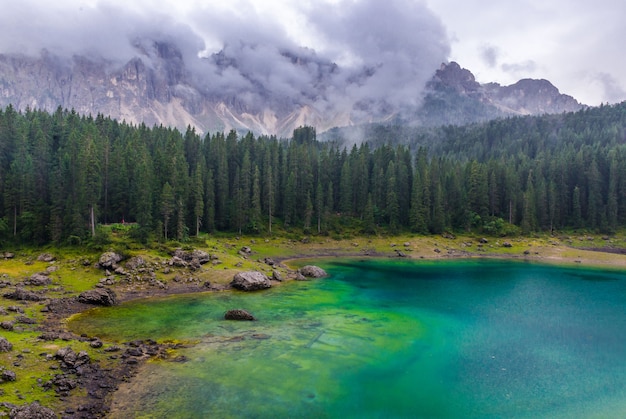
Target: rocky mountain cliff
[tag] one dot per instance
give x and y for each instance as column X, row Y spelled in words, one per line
column 455, row 97
column 158, row 87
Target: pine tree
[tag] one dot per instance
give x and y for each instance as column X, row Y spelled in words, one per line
column 369, row 223
column 392, row 206
column 198, row 197
column 209, row 207
column 345, row 189
column 577, row 219
column 255, row 202
column 167, row 206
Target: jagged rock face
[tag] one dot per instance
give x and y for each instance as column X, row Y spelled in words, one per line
column 457, row 78
column 154, row 88
column 532, row 97
column 158, row 88
column 526, row 97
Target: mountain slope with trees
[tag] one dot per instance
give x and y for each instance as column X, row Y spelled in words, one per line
column 63, row 174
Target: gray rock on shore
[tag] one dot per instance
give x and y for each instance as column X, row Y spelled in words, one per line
column 99, row 296
column 250, row 281
column 135, row 263
column 109, row 260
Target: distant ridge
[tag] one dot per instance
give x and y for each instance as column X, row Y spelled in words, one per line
column 455, row 97
column 157, row 88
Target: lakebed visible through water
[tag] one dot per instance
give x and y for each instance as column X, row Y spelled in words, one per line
column 386, row 338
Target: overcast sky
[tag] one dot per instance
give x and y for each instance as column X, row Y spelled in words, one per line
column 576, row 44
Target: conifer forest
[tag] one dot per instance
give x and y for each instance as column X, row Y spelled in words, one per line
column 62, row 175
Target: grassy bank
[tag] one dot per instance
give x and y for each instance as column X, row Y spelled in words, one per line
column 74, row 270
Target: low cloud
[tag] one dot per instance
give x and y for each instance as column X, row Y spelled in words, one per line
column 521, row 69
column 613, row 91
column 490, row 55
column 361, row 52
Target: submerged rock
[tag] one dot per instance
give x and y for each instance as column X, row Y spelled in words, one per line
column 238, row 314
column 312, row 271
column 99, row 296
column 250, row 281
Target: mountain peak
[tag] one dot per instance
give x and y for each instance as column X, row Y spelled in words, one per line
column 525, row 97
column 456, row 77
column 162, row 85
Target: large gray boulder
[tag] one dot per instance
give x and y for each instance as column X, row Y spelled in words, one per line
column 250, row 281
column 109, row 260
column 311, row 271
column 99, row 296
column 197, row 256
column 201, row 256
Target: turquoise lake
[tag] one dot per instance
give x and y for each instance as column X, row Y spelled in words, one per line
column 387, row 339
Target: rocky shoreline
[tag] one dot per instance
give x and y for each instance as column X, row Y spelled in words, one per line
column 97, row 382
column 83, row 386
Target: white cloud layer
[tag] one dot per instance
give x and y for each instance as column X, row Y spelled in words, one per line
column 386, row 48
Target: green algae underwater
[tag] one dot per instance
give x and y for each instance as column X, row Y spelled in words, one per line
column 386, row 339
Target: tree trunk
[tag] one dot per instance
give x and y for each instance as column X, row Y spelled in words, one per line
column 270, row 214
column 92, row 221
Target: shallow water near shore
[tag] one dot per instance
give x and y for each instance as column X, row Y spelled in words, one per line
column 386, row 339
